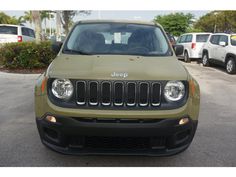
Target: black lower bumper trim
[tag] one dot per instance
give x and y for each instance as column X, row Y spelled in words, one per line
column 154, row 138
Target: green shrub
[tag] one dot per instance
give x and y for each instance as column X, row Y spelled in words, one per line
column 26, row 55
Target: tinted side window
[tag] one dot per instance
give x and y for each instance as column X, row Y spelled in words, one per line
column 25, row 32
column 31, row 33
column 28, row 32
column 8, row 30
column 189, row 38
column 202, row 37
column 233, row 40
column 215, row 39
column 183, row 39
column 224, row 38
column 179, row 39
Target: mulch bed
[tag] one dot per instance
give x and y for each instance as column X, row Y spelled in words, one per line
column 23, row 71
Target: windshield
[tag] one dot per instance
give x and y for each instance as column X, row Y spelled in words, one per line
column 117, row 38
column 8, row 30
column 233, row 40
column 202, row 37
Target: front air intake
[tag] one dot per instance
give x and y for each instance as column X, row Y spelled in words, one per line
column 118, row 93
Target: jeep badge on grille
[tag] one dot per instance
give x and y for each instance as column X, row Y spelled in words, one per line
column 119, row 74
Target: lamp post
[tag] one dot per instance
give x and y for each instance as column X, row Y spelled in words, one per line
column 58, row 25
column 215, row 27
column 99, row 14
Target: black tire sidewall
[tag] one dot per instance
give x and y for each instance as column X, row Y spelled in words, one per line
column 186, row 59
column 207, row 63
column 234, row 66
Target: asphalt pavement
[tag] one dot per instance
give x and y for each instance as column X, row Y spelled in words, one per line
column 214, row 143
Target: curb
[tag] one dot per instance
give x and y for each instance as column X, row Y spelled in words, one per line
column 17, row 75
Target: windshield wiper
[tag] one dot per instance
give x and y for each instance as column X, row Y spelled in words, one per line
column 77, row 52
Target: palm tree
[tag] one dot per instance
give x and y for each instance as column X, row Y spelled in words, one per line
column 38, row 25
column 28, row 17
column 21, row 20
column 6, row 19
column 44, row 16
column 68, row 15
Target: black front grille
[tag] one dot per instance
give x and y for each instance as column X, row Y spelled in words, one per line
column 118, row 93
column 117, row 120
column 97, row 142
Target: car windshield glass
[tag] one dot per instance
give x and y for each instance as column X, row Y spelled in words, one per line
column 233, row 40
column 202, row 37
column 117, row 39
column 8, row 30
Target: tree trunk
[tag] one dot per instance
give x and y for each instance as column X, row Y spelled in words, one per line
column 38, row 25
column 58, row 25
column 66, row 21
column 45, row 26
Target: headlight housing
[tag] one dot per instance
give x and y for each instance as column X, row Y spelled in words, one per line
column 62, row 88
column 174, row 91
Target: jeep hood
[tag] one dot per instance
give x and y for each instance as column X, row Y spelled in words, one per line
column 101, row 67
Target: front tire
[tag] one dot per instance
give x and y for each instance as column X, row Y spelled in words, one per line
column 186, row 57
column 205, row 60
column 230, row 66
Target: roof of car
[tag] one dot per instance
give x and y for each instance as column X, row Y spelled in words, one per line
column 224, row 34
column 120, row 21
column 197, row 33
column 9, row 25
column 14, row 25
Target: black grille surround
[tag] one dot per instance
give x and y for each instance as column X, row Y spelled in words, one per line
column 117, row 143
column 118, row 95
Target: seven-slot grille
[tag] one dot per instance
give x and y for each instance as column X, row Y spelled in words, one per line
column 118, row 93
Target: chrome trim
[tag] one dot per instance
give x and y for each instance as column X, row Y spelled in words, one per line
column 135, row 92
column 156, row 104
column 106, row 104
column 85, row 85
column 123, row 93
column 144, row 104
column 93, row 103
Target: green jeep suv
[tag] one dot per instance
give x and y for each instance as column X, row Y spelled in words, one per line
column 116, row 87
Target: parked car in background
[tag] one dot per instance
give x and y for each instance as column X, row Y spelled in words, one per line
column 220, row 49
column 15, row 33
column 193, row 43
column 54, row 38
column 171, row 38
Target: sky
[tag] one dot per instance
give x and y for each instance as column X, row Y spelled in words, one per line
column 121, row 14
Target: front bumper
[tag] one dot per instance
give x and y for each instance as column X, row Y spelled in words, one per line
column 159, row 137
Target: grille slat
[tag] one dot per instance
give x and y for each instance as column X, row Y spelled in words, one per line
column 155, row 94
column 118, row 93
column 131, row 94
column 143, row 94
column 81, row 93
column 106, row 93
column 93, row 93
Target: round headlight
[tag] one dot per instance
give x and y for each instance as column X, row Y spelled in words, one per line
column 62, row 88
column 174, row 91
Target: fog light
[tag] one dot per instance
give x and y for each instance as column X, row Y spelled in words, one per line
column 183, row 121
column 51, row 119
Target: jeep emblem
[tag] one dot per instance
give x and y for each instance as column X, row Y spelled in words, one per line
column 119, row 74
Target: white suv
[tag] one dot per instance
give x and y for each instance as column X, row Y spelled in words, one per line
column 220, row 49
column 193, row 43
column 15, row 33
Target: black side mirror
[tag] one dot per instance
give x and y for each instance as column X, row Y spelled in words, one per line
column 179, row 49
column 56, row 47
